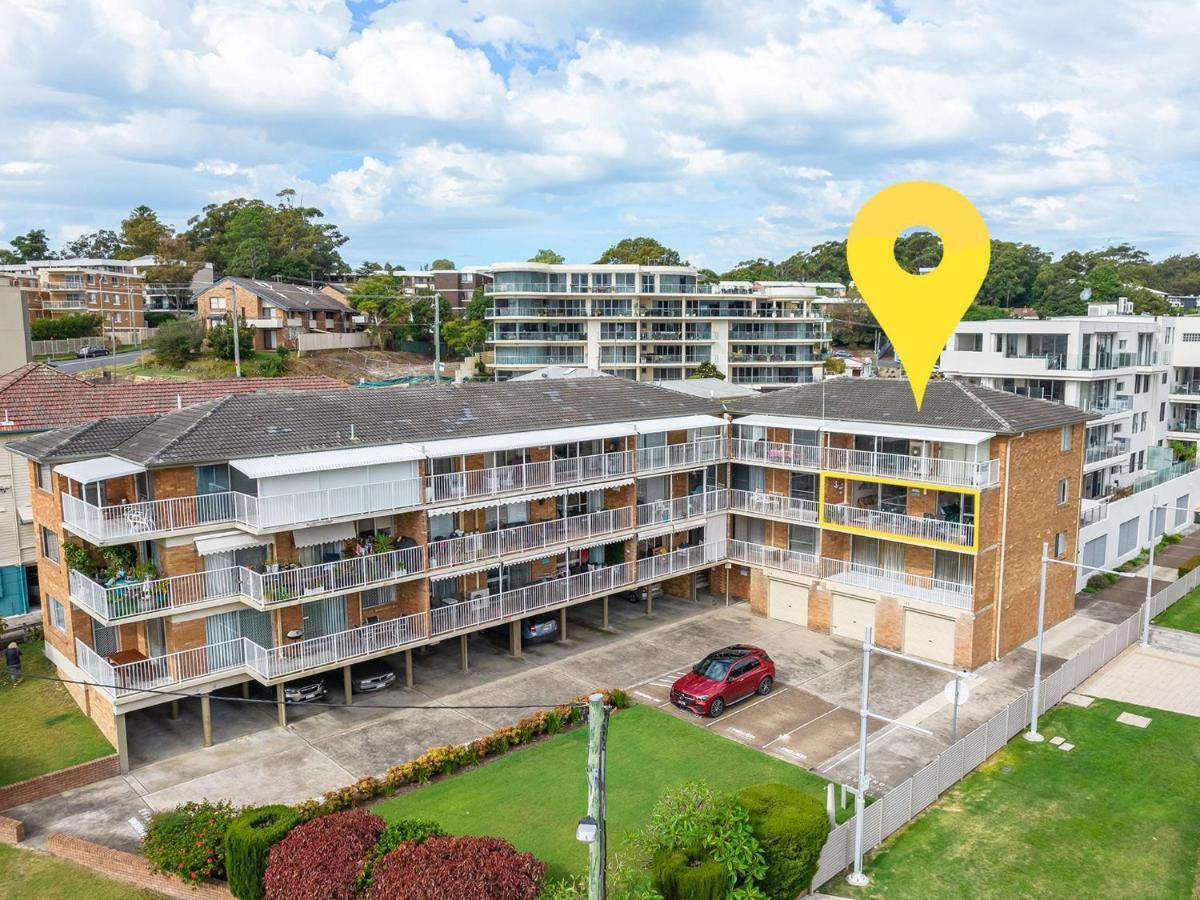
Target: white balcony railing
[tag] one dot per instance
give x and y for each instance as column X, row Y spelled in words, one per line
column 526, row 476
column 777, row 506
column 473, row 548
column 336, row 577
column 673, row 456
column 160, row 595
column 681, row 508
column 807, row 456
column 982, row 474
column 774, row 558
column 920, row 587
column 334, row 503
column 337, row 649
column 680, row 562
column 917, row 528
column 129, row 521
column 161, row 671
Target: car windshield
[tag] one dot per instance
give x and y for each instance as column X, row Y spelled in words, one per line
column 713, row 668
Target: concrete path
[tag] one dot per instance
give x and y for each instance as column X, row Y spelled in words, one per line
column 1152, row 677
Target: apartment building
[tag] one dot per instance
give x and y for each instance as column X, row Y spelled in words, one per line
column 1135, row 374
column 110, row 288
column 457, row 286
column 653, row 323
column 280, row 313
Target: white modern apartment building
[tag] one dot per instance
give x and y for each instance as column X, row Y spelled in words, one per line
column 653, row 323
column 1139, row 376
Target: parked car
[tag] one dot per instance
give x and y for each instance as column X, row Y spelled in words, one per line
column 534, row 630
column 842, row 354
column 724, row 677
column 372, row 675
column 304, row 690
column 636, row 595
column 91, row 350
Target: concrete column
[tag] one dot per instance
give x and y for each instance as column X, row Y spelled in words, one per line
column 245, row 690
column 692, row 587
column 122, row 743
column 174, row 710
column 408, row 675
column 604, row 617
column 280, row 706
column 562, row 624
column 462, row 651
column 347, row 686
column 206, row 719
column 649, row 599
column 514, row 638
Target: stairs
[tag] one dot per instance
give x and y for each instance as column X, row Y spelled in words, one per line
column 1177, row 641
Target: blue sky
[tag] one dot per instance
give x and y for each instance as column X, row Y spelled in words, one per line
column 483, row 130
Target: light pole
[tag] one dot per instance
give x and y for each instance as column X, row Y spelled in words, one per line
column 591, row 828
column 857, row 877
column 1154, row 507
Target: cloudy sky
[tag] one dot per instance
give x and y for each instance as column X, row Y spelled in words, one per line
column 485, row 129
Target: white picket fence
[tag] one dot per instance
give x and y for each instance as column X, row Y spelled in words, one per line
column 905, row 801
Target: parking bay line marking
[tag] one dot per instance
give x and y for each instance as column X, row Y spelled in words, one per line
column 711, row 722
column 744, row 735
column 798, row 727
column 795, row 754
column 649, row 697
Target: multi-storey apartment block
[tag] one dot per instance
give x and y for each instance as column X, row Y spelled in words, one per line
column 455, row 286
column 653, row 323
column 279, row 312
column 1135, row 375
column 110, row 288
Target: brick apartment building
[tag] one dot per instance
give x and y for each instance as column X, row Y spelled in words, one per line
column 110, row 288
column 279, row 312
column 271, row 537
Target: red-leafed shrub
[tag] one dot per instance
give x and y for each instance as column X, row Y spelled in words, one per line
column 320, row 860
column 457, row 868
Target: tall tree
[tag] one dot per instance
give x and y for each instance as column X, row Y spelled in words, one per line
column 32, row 245
column 641, row 251
column 478, row 305
column 1058, row 285
column 1012, row 271
column 442, row 264
column 917, row 251
column 421, row 327
column 1178, row 274
column 826, row 262
column 102, row 244
column 753, row 270
column 548, row 256
column 141, row 232
column 380, row 299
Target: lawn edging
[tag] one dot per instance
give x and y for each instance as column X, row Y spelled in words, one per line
column 129, row 868
column 42, row 786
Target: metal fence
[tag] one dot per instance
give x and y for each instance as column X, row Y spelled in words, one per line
column 903, row 802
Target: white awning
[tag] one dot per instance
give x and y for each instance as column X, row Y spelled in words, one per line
column 228, row 541
column 322, row 460
column 101, row 468
column 910, row 432
column 485, row 502
column 544, row 438
column 794, row 422
column 495, row 563
column 324, row 534
column 677, row 423
column 25, row 513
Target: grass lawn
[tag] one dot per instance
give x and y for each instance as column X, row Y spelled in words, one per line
column 25, row 875
column 1184, row 614
column 206, row 365
column 534, row 797
column 1118, row 816
column 43, row 729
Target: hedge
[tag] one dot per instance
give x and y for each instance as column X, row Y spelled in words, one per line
column 791, row 827
column 457, row 868
column 321, row 859
column 189, row 841
column 248, row 841
column 1188, row 565
column 689, row 876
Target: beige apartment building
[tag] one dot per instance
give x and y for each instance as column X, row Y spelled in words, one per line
column 110, row 288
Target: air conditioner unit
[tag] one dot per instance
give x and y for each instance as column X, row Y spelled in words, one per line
column 481, row 594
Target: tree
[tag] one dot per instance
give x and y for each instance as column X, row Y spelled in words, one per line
column 381, row 301
column 979, row 312
column 59, row 327
column 246, row 240
column 368, row 268
column 32, row 246
column 220, row 339
column 442, row 265
column 102, row 244
column 853, row 325
column 141, row 232
column 548, row 256
column 753, row 270
column 177, row 342
column 919, row 250
column 421, row 326
column 478, row 305
column 1058, row 285
column 708, row 276
column 835, row 365
column 1105, row 282
column 1012, row 271
column 641, row 251
column 1178, row 275
column 825, row 262
column 707, row 370
column 464, row 336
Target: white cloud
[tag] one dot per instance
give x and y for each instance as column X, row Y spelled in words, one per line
column 22, row 167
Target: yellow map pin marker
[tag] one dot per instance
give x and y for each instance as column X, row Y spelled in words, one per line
column 918, row 312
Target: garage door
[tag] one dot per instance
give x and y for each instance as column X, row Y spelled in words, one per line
column 851, row 616
column 788, row 602
column 930, row 637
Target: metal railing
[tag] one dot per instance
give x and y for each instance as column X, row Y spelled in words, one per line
column 983, row 474
column 1098, row 452
column 127, row 521
column 681, row 508
column 159, row 595
column 681, row 561
column 671, row 456
column 778, row 506
column 961, row 534
column 807, row 456
column 1105, row 406
column 161, row 671
column 338, row 648
column 774, row 558
column 323, row 505
column 1091, row 514
column 920, row 587
column 334, row 577
column 526, row 476
column 472, row 548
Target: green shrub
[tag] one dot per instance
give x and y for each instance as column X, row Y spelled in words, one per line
column 176, row 343
column 248, row 840
column 61, row 327
column 618, row 699
column 397, row 833
column 189, row 841
column 1188, row 565
column 791, row 827
column 688, row 875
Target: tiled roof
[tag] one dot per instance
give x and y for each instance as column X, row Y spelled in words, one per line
column 265, row 424
column 35, row 397
column 947, row 404
column 290, row 297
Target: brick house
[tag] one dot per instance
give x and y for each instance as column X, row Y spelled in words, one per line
column 279, row 312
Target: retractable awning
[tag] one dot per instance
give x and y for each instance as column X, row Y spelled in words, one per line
column 88, row 471
column 910, row 432
column 543, row 438
column 324, row 534
column 323, row 460
column 677, row 423
column 796, row 423
column 227, row 541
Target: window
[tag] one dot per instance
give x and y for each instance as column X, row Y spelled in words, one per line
column 1062, row 492
column 1060, row 545
column 1162, row 412
column 49, row 544
column 647, row 284
column 212, row 479
column 1181, row 509
column 43, row 476
column 1066, row 437
column 1127, row 538
column 58, row 615
column 380, row 596
column 1191, row 337
column 972, row 343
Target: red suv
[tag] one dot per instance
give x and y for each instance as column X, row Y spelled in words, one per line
column 724, row 677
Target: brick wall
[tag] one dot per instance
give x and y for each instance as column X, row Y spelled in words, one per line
column 52, row 576
column 129, row 868
column 56, row 782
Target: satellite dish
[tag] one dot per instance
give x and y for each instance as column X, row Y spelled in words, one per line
column 1086, row 294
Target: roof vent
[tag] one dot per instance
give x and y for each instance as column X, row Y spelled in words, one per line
column 7, row 422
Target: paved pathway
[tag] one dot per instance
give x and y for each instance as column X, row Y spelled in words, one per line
column 1152, row 677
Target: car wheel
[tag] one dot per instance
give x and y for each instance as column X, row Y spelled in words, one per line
column 764, row 686
column 716, row 707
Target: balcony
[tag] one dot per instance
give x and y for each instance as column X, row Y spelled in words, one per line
column 1106, row 406
column 751, row 376
column 1090, row 515
column 959, row 473
column 774, row 558
column 677, row 456
column 287, row 510
column 680, row 562
column 1101, row 452
column 918, row 587
column 661, row 512
column 1185, row 426
column 526, row 477
column 912, row 529
column 270, row 589
column 147, row 519
column 158, row 672
column 772, row 453
column 473, row 548
column 1188, row 389
column 775, row 506
column 342, row 648
column 142, row 599
column 577, row 311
